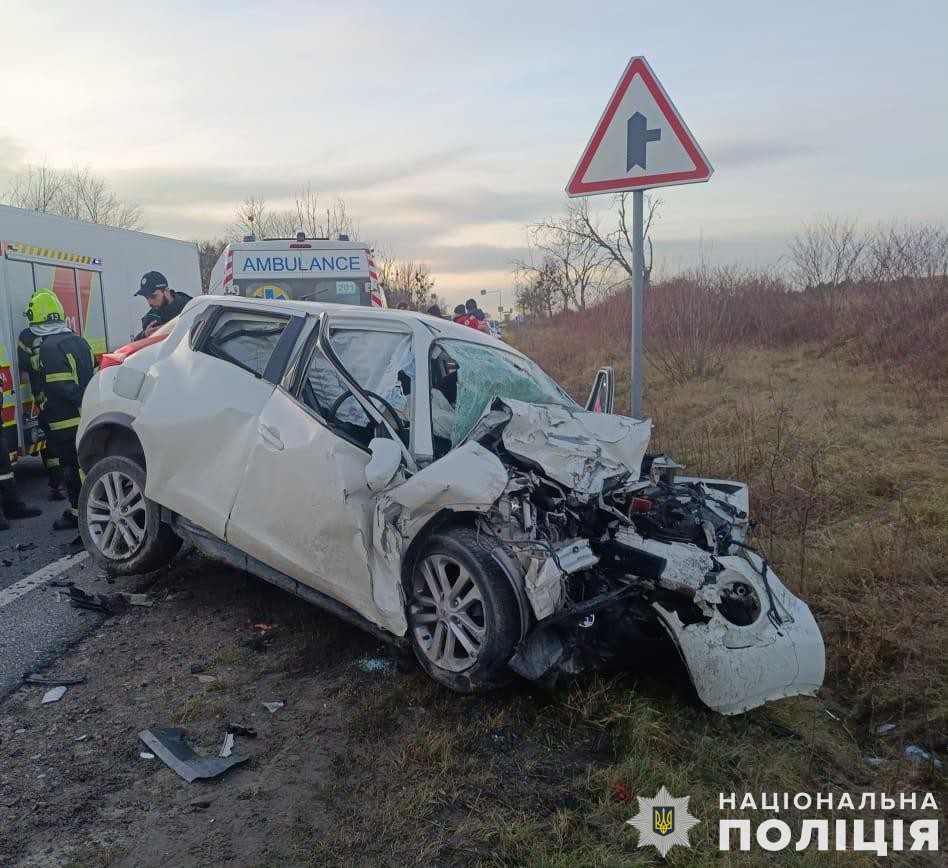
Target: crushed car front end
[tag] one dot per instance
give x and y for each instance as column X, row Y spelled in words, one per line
column 613, row 550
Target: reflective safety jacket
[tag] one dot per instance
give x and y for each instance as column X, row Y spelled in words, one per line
column 6, row 387
column 27, row 353
column 66, row 366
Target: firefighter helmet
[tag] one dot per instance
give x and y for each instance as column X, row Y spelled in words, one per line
column 44, row 307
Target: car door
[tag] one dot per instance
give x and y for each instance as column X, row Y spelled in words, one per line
column 303, row 506
column 199, row 417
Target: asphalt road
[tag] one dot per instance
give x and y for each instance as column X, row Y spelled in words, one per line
column 37, row 622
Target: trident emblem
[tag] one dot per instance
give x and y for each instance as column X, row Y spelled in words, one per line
column 663, row 821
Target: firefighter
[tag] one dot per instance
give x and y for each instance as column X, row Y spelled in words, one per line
column 28, row 356
column 10, row 504
column 66, row 366
column 165, row 303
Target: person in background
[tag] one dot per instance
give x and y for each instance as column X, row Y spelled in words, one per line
column 402, row 305
column 10, row 504
column 462, row 317
column 66, row 366
column 165, row 303
column 474, row 311
column 434, row 310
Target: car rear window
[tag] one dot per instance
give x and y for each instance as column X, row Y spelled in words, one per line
column 244, row 339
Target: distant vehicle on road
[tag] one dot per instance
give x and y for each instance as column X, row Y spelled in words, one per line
column 298, row 269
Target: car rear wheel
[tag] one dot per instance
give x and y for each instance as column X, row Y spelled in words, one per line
column 463, row 620
column 119, row 526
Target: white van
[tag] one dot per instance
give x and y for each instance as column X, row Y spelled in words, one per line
column 298, row 269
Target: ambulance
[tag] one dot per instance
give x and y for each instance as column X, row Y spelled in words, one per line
column 301, row 269
column 94, row 270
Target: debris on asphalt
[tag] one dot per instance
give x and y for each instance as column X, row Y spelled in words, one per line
column 53, row 680
column 875, row 760
column 79, row 599
column 53, row 695
column 273, row 707
column 24, row 547
column 61, row 583
column 178, row 596
column 207, row 679
column 200, row 804
column 146, row 756
column 80, row 738
column 920, row 755
column 197, row 667
column 240, row 729
column 227, row 748
column 137, row 599
column 170, row 747
column 263, row 629
column 884, row 728
column 376, row 664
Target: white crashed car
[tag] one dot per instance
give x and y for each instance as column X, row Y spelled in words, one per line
column 434, row 486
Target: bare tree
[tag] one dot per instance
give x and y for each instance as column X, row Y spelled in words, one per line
column 255, row 217
column 616, row 240
column 77, row 193
column 827, row 253
column 583, row 263
column 406, row 281
column 538, row 287
column 209, row 251
column 897, row 252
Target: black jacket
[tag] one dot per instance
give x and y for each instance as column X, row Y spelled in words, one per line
column 165, row 313
column 66, row 366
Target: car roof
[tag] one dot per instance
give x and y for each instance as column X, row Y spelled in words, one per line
column 440, row 327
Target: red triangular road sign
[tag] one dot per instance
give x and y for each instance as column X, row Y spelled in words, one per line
column 640, row 141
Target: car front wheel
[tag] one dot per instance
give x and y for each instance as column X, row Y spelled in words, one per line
column 119, row 526
column 463, row 620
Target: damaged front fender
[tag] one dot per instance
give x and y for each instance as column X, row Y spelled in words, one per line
column 737, row 666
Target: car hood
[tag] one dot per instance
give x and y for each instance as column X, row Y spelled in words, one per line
column 576, row 448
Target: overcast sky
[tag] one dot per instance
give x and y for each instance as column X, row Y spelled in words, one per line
column 446, row 127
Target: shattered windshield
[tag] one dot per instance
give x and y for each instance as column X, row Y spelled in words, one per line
column 466, row 377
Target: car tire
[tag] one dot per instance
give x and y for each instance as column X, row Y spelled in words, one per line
column 120, row 528
column 463, row 619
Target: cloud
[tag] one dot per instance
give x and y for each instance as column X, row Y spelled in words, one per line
column 207, row 184
column 477, row 207
column 750, row 153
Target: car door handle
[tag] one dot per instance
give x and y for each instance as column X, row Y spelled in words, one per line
column 271, row 437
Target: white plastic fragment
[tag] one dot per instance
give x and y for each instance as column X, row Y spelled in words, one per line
column 227, row 748
column 885, row 727
column 146, row 756
column 53, row 695
column 273, row 707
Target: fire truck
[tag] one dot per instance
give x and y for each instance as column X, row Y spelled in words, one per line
column 95, row 271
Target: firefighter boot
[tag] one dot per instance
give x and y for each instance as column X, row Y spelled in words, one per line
column 69, row 520
column 13, row 507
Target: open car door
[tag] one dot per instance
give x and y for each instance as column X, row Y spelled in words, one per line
column 603, row 393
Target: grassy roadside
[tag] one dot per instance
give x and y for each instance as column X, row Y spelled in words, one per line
column 848, row 482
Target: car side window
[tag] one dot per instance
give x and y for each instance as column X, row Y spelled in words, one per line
column 382, row 363
column 244, row 339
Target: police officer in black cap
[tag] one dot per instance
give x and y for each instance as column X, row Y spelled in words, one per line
column 165, row 303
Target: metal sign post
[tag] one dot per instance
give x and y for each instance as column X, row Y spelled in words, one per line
column 640, row 142
column 638, row 292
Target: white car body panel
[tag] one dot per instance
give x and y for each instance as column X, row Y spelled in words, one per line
column 176, row 421
column 305, row 508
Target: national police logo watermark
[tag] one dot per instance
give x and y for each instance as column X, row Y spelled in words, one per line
column 663, row 821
